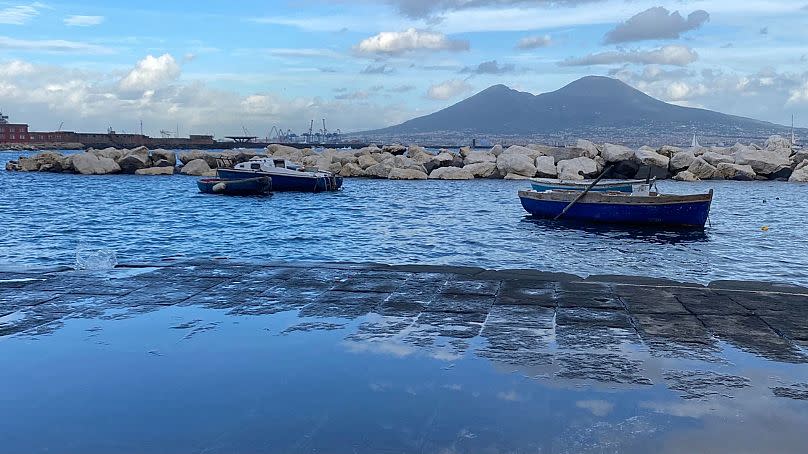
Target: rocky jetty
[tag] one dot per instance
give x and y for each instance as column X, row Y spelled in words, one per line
column 776, row 159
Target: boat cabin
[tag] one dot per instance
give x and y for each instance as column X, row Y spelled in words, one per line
column 266, row 164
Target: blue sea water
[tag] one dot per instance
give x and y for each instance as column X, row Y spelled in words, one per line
column 45, row 217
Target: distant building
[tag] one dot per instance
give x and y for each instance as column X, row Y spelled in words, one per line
column 13, row 132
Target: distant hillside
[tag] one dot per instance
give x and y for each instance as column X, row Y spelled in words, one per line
column 586, row 105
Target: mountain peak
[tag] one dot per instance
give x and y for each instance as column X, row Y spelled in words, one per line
column 589, row 103
column 596, row 86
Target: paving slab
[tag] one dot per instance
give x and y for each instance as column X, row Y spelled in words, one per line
column 308, row 356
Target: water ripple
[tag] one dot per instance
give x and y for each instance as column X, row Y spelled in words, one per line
column 480, row 223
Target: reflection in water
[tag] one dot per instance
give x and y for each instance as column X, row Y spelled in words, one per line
column 278, row 359
column 620, row 232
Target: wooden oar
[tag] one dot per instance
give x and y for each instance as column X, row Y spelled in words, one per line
column 582, row 194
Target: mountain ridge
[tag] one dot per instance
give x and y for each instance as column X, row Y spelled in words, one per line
column 586, row 103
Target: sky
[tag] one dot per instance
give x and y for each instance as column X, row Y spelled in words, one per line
column 223, row 68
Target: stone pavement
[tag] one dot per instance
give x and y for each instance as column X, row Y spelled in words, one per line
column 580, row 328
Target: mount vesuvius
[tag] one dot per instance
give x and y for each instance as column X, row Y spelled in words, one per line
column 592, row 103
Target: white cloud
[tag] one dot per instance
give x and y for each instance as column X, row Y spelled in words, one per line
column 448, row 90
column 533, row 42
column 669, row 55
column 656, row 23
column 83, row 21
column 799, row 95
column 56, row 46
column 150, row 73
column 87, row 100
column 20, row 14
column 16, row 68
column 410, row 40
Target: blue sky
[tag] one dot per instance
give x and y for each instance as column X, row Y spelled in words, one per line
column 217, row 67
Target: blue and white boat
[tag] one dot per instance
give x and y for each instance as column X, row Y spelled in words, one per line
column 651, row 209
column 551, row 184
column 285, row 175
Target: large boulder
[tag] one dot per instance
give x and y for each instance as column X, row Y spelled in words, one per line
column 366, row 160
column 532, row 153
column 622, row 170
column 649, row 157
column 444, row 159
column 732, row 171
column 344, row 157
column 479, row 156
column 577, row 169
column 285, row 152
column 419, row 155
column 90, row 164
column 402, row 162
column 514, row 162
column 669, row 150
column 776, row 142
column 197, row 167
column 380, row 170
column 352, row 170
column 167, row 170
column 701, row 169
column 395, row 149
column 132, row 162
column 685, row 175
column 406, row 174
column 451, row 173
column 546, row 167
column 496, row 150
column 49, row 161
column 209, row 157
column 714, row 158
column 564, row 153
column 589, row 148
column 168, row 155
column 681, row 160
column 798, row 158
column 800, row 174
column 616, row 153
column 763, row 162
column 110, row 152
column 372, row 149
column 483, row 170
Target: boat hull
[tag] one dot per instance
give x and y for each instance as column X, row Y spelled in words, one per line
column 283, row 182
column 688, row 211
column 241, row 186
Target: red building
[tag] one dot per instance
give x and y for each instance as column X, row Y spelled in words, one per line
column 13, row 132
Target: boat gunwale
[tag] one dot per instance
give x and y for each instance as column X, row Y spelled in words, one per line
column 585, row 183
column 616, row 198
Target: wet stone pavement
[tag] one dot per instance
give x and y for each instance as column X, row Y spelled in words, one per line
column 215, row 356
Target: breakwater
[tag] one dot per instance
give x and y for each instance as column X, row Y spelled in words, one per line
column 775, row 160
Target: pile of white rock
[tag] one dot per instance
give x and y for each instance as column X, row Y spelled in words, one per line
column 138, row 161
column 775, row 160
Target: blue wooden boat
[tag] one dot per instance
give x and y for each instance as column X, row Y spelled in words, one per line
column 654, row 209
column 552, row 184
column 286, row 176
column 241, row 186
